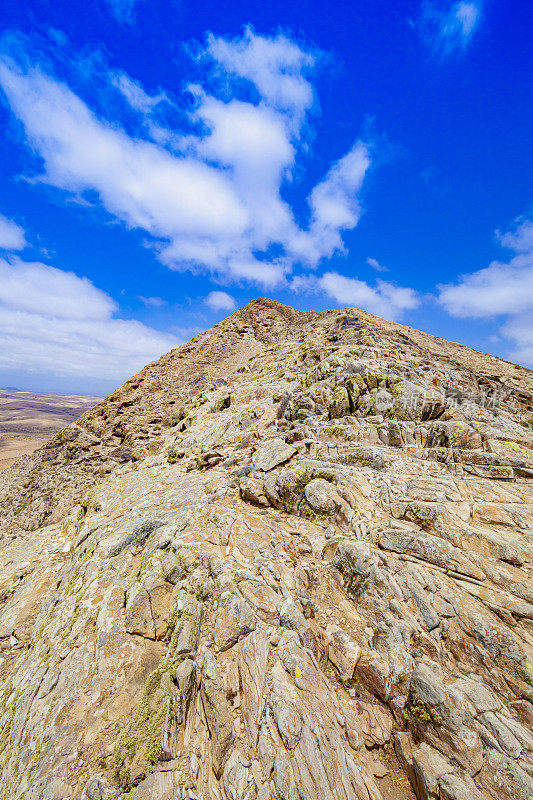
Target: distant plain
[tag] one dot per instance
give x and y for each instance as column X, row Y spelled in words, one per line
column 29, row 419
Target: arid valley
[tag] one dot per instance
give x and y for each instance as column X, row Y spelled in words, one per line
column 29, row 419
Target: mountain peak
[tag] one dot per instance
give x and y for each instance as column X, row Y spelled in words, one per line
column 108, row 434
column 290, row 557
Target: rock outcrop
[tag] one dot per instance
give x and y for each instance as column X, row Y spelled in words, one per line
column 291, row 559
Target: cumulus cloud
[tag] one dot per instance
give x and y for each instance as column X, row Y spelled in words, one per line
column 447, row 27
column 385, row 299
column 37, row 288
column 503, row 289
column 276, row 66
column 520, row 239
column 52, row 321
column 500, row 288
column 220, row 301
column 209, row 192
column 11, row 235
column 334, row 207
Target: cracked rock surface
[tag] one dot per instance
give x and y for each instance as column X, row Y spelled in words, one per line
column 291, row 559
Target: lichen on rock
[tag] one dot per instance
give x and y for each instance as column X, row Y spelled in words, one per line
column 289, row 559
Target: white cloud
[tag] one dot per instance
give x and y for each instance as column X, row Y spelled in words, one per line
column 38, row 288
column 152, row 302
column 503, row 289
column 52, row 321
column 11, row 235
column 519, row 330
column 374, row 263
column 275, row 65
column 384, row 299
column 135, row 95
column 220, row 301
column 334, row 207
column 467, row 16
column 521, row 239
column 137, row 181
column 212, row 200
column 447, row 27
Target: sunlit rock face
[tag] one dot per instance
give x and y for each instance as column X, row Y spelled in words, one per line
column 291, row 559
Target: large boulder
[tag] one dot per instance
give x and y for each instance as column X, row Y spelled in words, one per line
column 429, row 548
column 271, row 454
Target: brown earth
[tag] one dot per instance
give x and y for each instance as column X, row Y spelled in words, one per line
column 29, row 419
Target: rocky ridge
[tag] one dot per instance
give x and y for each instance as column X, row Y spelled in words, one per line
column 291, row 559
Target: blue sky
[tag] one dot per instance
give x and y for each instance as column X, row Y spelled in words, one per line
column 163, row 163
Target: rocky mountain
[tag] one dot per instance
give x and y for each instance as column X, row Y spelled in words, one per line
column 290, row 559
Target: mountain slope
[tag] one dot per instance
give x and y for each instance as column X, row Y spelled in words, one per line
column 51, row 479
column 290, row 559
column 42, row 486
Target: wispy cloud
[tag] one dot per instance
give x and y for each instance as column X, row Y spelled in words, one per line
column 134, row 94
column 52, row 321
column 447, row 27
column 123, row 10
column 11, row 235
column 152, row 302
column 374, row 263
column 503, row 290
column 220, row 301
column 209, row 190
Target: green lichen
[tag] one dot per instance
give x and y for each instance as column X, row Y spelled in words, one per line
column 89, row 503
column 416, row 707
column 73, row 578
column 178, row 627
column 422, row 515
column 6, row 737
column 171, row 625
column 330, row 477
column 335, row 431
column 293, row 499
column 372, row 379
column 201, row 593
column 354, row 458
column 143, row 730
column 34, row 766
column 528, row 673
column 305, row 510
column 354, row 583
column 290, row 502
column 74, row 617
column 154, row 446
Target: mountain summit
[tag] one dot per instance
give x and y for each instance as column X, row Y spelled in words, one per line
column 289, row 559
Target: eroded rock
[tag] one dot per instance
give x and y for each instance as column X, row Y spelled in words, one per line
column 308, row 538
